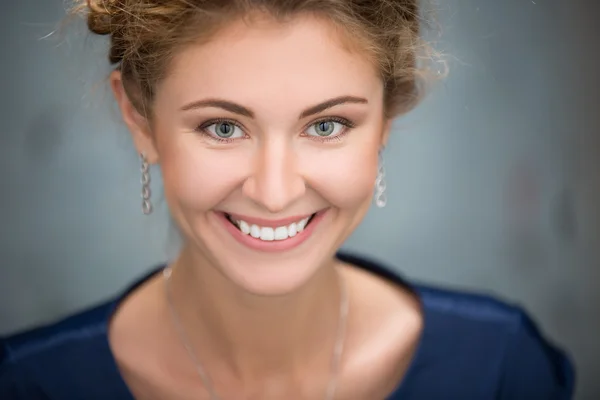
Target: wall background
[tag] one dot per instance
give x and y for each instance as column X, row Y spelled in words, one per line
column 494, row 183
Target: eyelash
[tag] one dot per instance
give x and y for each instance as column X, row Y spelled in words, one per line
column 345, row 122
column 202, row 129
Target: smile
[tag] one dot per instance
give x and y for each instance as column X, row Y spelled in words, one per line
column 268, row 235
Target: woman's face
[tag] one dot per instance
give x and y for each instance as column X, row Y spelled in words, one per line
column 267, row 137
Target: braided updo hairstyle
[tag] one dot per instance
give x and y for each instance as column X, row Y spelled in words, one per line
column 145, row 35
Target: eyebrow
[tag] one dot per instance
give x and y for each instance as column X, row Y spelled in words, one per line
column 241, row 110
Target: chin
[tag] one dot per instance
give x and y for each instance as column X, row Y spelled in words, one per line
column 262, row 257
column 275, row 277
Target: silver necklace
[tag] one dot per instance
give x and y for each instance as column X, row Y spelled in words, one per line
column 335, row 358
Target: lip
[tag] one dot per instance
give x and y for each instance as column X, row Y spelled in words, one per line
column 269, row 223
column 275, row 245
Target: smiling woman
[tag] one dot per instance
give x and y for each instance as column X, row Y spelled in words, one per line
column 268, row 119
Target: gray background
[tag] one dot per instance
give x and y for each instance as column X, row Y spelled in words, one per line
column 521, row 105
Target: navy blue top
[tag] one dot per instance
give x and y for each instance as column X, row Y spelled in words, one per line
column 472, row 347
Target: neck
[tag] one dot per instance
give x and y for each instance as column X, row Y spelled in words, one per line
column 253, row 336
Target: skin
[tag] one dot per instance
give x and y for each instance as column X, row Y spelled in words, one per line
column 265, row 323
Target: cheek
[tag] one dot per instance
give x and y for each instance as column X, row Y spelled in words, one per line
column 345, row 177
column 195, row 177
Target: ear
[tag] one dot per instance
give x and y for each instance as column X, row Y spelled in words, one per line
column 138, row 124
column 385, row 134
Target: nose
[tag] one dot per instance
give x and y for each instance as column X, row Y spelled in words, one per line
column 275, row 181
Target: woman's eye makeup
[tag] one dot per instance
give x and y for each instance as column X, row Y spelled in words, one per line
column 327, row 129
column 222, row 130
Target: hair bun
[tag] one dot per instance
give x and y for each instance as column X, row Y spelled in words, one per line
column 106, row 17
column 102, row 14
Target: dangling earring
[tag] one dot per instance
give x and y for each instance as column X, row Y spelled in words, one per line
column 380, row 186
column 145, row 169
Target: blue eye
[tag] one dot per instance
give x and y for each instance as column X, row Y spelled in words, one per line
column 224, row 130
column 326, row 128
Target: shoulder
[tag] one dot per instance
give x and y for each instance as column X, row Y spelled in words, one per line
column 494, row 345
column 524, row 363
column 71, row 358
column 33, row 363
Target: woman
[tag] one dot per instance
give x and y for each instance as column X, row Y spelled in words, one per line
column 268, row 120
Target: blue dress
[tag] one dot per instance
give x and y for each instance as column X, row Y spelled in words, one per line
column 472, row 348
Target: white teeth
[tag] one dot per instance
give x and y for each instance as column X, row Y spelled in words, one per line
column 255, row 231
column 244, row 227
column 269, row 234
column 281, row 233
column 292, row 230
column 302, row 224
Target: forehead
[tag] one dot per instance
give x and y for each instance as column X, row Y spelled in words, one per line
column 301, row 61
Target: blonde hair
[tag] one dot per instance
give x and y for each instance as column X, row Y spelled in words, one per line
column 145, row 35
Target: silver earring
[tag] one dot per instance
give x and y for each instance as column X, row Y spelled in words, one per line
column 146, row 193
column 380, row 185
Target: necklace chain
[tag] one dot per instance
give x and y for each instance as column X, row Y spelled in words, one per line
column 336, row 356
